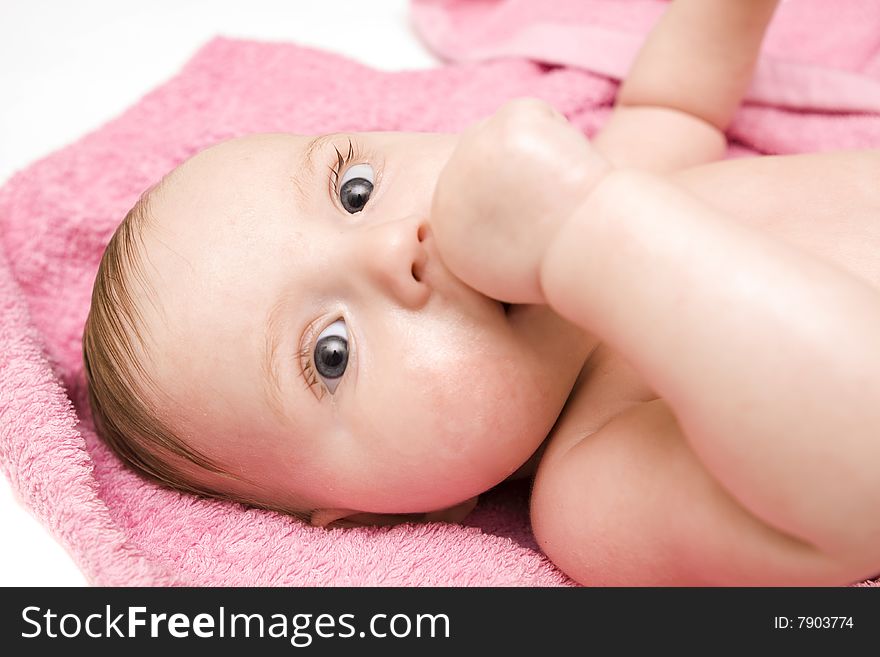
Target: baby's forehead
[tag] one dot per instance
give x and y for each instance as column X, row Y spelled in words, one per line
column 213, row 224
column 236, row 157
column 225, row 177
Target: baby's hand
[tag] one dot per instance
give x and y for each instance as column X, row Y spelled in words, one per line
column 512, row 181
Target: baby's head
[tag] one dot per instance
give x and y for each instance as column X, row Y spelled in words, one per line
column 272, row 323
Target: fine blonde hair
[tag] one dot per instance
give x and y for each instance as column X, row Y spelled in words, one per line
column 118, row 386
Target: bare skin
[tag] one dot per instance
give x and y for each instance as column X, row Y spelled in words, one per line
column 619, row 465
column 724, row 428
column 620, row 495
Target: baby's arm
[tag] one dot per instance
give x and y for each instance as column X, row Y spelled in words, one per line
column 686, row 84
column 769, row 358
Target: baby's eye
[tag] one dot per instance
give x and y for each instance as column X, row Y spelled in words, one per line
column 355, row 187
column 331, row 354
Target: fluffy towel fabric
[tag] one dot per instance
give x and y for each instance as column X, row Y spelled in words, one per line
column 816, row 88
column 57, row 215
column 812, row 55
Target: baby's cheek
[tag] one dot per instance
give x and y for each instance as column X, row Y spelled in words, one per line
column 451, row 422
column 494, row 418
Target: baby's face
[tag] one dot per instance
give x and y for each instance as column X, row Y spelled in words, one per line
column 314, row 343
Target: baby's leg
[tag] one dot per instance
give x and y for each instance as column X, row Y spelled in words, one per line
column 632, row 505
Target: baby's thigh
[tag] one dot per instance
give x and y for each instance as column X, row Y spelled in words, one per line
column 632, row 505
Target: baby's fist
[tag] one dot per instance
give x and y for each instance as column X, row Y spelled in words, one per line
column 512, row 181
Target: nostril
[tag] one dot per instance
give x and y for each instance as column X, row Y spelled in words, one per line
column 422, row 232
column 416, row 274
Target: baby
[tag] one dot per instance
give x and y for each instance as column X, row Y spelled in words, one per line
column 376, row 328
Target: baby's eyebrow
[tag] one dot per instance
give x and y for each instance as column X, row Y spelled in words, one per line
column 301, row 178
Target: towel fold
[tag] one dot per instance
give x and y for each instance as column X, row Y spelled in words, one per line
column 816, row 86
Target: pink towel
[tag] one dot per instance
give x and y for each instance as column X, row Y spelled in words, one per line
column 57, row 215
column 813, row 52
column 819, row 57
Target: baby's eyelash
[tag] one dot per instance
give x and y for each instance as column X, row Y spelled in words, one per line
column 341, row 161
column 308, row 371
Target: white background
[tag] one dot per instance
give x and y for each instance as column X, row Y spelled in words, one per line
column 51, row 51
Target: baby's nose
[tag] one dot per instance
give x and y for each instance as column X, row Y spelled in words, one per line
column 395, row 260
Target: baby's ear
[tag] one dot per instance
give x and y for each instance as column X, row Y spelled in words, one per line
column 351, row 518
